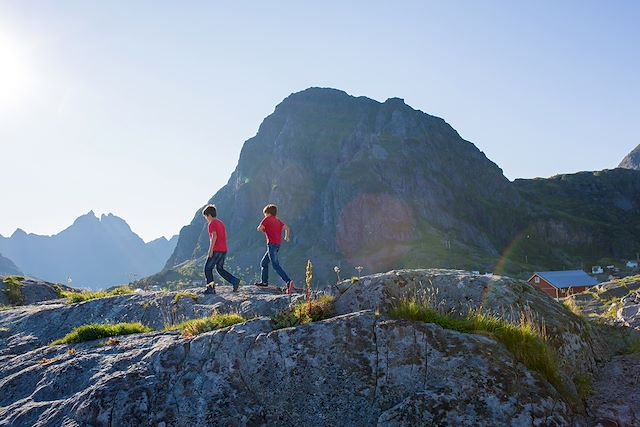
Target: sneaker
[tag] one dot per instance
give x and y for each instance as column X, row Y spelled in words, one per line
column 264, row 285
column 291, row 287
column 211, row 290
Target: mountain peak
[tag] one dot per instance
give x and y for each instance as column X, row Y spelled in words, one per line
column 632, row 160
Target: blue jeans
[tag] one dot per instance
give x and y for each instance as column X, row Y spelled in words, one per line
column 272, row 256
column 217, row 261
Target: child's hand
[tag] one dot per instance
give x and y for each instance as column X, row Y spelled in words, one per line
column 286, row 238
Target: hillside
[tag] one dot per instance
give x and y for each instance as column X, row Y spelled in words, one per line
column 381, row 185
column 94, row 252
column 8, row 267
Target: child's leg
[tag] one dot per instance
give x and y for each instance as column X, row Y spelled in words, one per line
column 208, row 270
column 219, row 258
column 264, row 267
column 273, row 256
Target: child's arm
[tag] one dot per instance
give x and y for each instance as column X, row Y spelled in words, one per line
column 212, row 242
column 286, row 233
column 260, row 227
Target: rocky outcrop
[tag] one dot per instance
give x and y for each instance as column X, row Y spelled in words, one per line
column 631, row 160
column 34, row 291
column 358, row 368
column 35, row 326
column 350, row 370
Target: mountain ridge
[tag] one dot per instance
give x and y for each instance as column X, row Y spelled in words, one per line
column 94, row 251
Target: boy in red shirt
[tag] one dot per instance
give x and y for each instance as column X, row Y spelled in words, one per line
column 272, row 227
column 217, row 251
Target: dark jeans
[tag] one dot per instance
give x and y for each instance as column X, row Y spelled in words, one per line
column 272, row 256
column 217, row 261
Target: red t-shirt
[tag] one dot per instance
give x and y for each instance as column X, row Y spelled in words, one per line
column 216, row 226
column 272, row 229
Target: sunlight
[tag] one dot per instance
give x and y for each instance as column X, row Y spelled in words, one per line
column 16, row 74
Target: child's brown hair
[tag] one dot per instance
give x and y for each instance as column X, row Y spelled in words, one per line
column 270, row 209
column 210, row 210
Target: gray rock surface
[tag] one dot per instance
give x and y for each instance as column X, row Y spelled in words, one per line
column 34, row 326
column 350, row 370
column 616, row 389
column 358, row 368
column 459, row 291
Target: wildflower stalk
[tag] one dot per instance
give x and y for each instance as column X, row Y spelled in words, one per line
column 308, row 278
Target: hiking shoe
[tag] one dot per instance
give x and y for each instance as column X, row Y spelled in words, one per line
column 211, row 290
column 263, row 285
column 291, row 287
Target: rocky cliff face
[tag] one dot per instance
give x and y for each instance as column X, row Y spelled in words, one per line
column 94, row 252
column 358, row 368
column 632, row 160
column 383, row 186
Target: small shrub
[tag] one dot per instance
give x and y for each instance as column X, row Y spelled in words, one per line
column 525, row 340
column 181, row 295
column 59, row 291
column 97, row 331
column 319, row 309
column 13, row 289
column 583, row 383
column 195, row 327
column 76, row 297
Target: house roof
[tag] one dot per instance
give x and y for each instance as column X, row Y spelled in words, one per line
column 567, row 279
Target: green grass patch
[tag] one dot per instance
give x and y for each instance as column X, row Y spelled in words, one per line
column 526, row 341
column 195, row 327
column 319, row 309
column 634, row 347
column 13, row 289
column 97, row 331
column 181, row 295
column 76, row 297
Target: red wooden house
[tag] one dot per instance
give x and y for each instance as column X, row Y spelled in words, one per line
column 561, row 284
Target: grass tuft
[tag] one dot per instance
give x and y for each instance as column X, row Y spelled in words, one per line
column 583, row 383
column 525, row 340
column 195, row 327
column 570, row 304
column 76, row 297
column 306, row 312
column 97, row 331
column 181, row 295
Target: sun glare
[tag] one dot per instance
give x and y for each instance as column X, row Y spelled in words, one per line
column 16, row 76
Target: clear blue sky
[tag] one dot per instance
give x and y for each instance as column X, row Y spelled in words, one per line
column 141, row 108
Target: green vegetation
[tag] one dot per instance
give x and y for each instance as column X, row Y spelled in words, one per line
column 583, row 385
column 13, row 289
column 634, row 347
column 181, row 295
column 195, row 327
column 76, row 297
column 628, row 280
column 96, row 331
column 319, row 309
column 570, row 304
column 526, row 340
